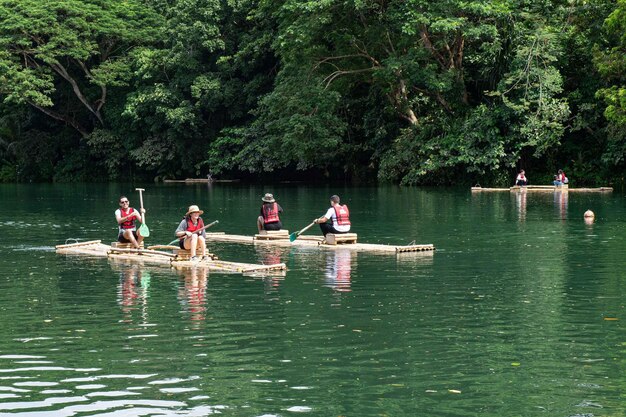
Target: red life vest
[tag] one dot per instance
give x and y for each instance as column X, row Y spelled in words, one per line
column 270, row 213
column 343, row 215
column 191, row 227
column 130, row 223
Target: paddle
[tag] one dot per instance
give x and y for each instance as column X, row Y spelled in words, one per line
column 295, row 235
column 143, row 229
column 178, row 239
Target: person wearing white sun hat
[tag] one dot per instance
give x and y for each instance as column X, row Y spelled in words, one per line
column 192, row 229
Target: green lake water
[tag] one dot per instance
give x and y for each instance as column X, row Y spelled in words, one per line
column 519, row 311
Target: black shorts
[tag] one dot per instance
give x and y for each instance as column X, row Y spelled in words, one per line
column 329, row 228
column 273, row 226
column 122, row 239
column 181, row 243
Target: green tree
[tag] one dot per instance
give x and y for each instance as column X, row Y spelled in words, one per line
column 64, row 57
column 206, row 76
column 610, row 58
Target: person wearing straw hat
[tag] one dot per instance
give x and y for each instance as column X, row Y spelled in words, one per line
column 269, row 219
column 126, row 217
column 194, row 238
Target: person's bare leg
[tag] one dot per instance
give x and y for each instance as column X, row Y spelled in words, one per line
column 202, row 243
column 259, row 223
column 128, row 235
column 194, row 245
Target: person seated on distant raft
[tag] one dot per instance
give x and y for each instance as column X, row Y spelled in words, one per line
column 560, row 178
column 521, row 179
column 269, row 220
column 126, row 217
column 190, row 224
column 338, row 215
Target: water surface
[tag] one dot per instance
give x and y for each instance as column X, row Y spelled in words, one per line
column 519, row 312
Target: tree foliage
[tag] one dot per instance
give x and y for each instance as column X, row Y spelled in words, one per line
column 409, row 91
column 62, row 57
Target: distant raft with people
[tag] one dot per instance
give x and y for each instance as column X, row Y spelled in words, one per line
column 199, row 180
column 157, row 255
column 332, row 241
column 544, row 188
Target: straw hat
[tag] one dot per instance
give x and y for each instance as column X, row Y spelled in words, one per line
column 269, row 198
column 193, row 209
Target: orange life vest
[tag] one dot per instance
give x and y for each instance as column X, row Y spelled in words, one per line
column 343, row 215
column 130, row 223
column 192, row 228
column 270, row 213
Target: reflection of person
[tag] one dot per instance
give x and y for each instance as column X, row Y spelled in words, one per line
column 189, row 229
column 521, row 179
column 560, row 178
column 339, row 270
column 338, row 215
column 131, row 278
column 561, row 198
column 521, row 205
column 126, row 217
column 269, row 220
column 194, row 291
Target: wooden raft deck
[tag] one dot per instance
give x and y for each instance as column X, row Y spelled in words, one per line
column 546, row 188
column 317, row 242
column 96, row 248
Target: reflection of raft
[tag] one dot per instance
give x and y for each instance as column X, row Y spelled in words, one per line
column 546, row 188
column 344, row 241
column 154, row 257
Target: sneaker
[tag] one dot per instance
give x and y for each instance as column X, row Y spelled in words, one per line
column 206, row 258
column 193, row 258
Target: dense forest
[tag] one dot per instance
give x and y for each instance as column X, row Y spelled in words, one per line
column 401, row 91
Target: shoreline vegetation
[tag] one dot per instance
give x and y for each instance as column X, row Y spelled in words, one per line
column 403, row 92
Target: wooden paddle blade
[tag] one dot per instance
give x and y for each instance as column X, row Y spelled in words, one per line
column 143, row 230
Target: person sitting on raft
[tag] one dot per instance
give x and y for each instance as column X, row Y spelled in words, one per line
column 269, row 220
column 338, row 215
column 188, row 229
column 521, row 179
column 560, row 178
column 126, row 217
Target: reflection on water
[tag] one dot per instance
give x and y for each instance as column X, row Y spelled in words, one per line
column 270, row 255
column 560, row 201
column 192, row 291
column 339, row 269
column 490, row 324
column 520, row 200
column 133, row 291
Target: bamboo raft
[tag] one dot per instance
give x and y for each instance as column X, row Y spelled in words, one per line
column 343, row 241
column 151, row 256
column 546, row 188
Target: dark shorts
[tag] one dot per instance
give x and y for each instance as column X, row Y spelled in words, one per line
column 181, row 243
column 122, row 239
column 273, row 226
column 328, row 228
